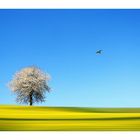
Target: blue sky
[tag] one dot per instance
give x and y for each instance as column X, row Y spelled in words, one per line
column 63, row 43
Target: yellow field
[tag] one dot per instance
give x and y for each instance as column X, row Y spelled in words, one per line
column 69, row 118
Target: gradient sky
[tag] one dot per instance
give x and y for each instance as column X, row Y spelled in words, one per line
column 63, row 43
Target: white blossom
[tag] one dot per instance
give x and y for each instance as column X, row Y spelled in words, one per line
column 30, row 85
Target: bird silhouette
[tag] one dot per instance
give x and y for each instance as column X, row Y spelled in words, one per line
column 99, row 52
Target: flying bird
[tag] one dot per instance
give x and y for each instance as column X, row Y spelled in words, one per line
column 99, row 52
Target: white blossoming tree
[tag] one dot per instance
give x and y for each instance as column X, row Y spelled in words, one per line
column 30, row 85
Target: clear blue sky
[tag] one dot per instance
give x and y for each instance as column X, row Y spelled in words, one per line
column 63, row 43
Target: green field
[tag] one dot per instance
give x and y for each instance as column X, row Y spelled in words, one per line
column 69, row 119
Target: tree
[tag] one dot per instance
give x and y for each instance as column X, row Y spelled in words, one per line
column 30, row 85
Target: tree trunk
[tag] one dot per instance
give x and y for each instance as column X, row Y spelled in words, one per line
column 31, row 98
